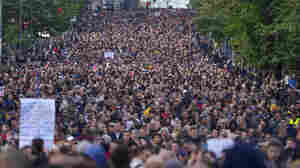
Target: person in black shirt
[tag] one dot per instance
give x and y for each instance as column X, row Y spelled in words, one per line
column 39, row 155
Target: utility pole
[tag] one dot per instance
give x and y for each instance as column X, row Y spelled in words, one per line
column 1, row 4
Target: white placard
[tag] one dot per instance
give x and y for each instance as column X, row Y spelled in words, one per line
column 109, row 55
column 217, row 146
column 37, row 120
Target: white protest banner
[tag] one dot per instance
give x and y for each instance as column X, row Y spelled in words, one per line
column 37, row 120
column 2, row 90
column 109, row 55
column 217, row 146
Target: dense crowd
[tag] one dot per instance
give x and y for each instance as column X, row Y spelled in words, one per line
column 162, row 100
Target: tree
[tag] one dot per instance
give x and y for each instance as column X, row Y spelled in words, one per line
column 26, row 18
column 264, row 32
column 194, row 3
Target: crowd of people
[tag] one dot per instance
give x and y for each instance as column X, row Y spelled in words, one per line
column 141, row 88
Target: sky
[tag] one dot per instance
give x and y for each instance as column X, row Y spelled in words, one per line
column 173, row 3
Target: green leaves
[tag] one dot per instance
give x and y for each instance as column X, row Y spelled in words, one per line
column 262, row 31
column 42, row 15
column 10, row 33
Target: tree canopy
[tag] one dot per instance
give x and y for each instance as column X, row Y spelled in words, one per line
column 264, row 32
column 28, row 17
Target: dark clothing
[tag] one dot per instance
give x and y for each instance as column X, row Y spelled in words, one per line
column 116, row 137
column 40, row 161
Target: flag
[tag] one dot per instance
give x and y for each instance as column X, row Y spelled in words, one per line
column 147, row 112
column 37, row 78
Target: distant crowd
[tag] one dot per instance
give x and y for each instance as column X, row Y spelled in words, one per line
column 142, row 88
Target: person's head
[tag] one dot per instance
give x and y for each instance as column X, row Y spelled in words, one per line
column 126, row 136
column 175, row 147
column 14, row 123
column 137, row 151
column 146, row 153
column 244, row 135
column 133, row 134
column 274, row 150
column 5, row 128
column 111, row 127
column 157, row 139
column 27, row 151
column 210, row 157
column 120, row 157
column 37, row 146
column 203, row 131
column 251, row 132
column 143, row 132
column 214, row 133
column 154, row 162
column 74, row 130
column 166, row 154
column 290, row 143
column 298, row 135
column 185, row 115
column 268, row 136
column 117, row 127
column 10, row 97
column 113, row 146
column 143, row 141
column 192, row 131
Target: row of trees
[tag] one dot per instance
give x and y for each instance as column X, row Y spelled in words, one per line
column 265, row 33
column 24, row 19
